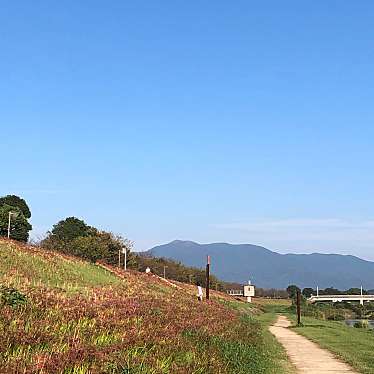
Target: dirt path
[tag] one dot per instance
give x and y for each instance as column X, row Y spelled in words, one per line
column 307, row 356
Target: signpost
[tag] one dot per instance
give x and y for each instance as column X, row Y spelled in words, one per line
column 298, row 297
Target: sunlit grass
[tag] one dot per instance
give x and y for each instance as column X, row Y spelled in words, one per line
column 36, row 268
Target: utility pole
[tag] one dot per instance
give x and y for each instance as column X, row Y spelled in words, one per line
column 298, row 297
column 207, row 277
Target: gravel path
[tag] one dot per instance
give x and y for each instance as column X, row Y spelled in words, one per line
column 307, row 357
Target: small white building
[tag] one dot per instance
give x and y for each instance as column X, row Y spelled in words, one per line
column 249, row 292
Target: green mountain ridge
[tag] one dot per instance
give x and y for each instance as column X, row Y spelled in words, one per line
column 266, row 268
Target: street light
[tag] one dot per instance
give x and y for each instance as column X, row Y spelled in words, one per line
column 9, row 218
column 124, row 251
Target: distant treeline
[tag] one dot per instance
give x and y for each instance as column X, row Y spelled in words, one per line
column 334, row 291
column 272, row 293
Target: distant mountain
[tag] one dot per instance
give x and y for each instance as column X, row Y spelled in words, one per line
column 265, row 268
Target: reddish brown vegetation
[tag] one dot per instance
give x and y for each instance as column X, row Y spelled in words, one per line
column 138, row 324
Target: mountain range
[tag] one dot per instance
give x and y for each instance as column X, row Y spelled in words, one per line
column 269, row 269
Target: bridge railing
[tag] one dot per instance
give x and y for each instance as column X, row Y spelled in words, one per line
column 235, row 292
column 342, row 297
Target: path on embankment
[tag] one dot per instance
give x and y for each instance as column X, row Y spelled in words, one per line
column 307, row 357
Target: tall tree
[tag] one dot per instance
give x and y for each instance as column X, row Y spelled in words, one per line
column 308, row 292
column 19, row 226
column 292, row 290
column 16, row 201
column 101, row 245
column 69, row 229
column 75, row 237
column 64, row 233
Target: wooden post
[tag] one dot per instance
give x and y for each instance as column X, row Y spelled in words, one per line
column 298, row 297
column 207, row 277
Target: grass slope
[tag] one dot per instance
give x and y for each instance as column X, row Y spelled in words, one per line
column 80, row 318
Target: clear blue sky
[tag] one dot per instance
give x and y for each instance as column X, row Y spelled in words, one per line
column 233, row 121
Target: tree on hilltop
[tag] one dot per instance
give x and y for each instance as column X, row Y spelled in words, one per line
column 102, row 245
column 19, row 212
column 73, row 236
column 16, row 201
column 69, row 229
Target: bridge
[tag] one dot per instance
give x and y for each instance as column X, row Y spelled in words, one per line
column 339, row 298
column 235, row 292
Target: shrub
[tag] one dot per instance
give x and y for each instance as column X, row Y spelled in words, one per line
column 336, row 317
column 11, row 296
column 362, row 324
column 309, row 310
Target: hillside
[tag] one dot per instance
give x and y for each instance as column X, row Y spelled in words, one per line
column 238, row 263
column 59, row 314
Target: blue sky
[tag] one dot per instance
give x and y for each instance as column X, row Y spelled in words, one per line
column 209, row 121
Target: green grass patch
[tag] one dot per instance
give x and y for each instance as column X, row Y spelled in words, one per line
column 354, row 346
column 19, row 267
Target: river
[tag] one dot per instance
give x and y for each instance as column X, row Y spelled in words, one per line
column 351, row 322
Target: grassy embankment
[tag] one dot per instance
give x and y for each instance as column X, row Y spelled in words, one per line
column 354, row 346
column 79, row 318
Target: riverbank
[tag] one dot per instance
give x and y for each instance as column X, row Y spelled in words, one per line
column 351, row 345
column 354, row 346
